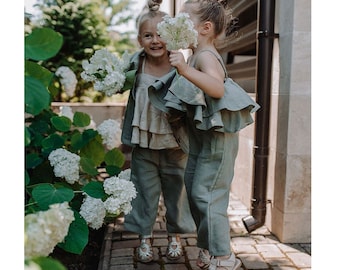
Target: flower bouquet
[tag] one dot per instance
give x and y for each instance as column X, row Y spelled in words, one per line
column 177, row 32
column 107, row 71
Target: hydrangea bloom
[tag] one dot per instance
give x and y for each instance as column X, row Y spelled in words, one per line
column 67, row 79
column 126, row 174
column 177, row 32
column 111, row 132
column 121, row 191
column 93, row 211
column 66, row 164
column 106, row 71
column 45, row 229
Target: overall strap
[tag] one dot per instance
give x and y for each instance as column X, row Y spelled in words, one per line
column 219, row 58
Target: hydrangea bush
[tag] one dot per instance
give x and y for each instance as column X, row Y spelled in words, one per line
column 74, row 174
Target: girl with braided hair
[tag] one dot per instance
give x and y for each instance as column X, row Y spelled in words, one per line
column 157, row 161
column 213, row 120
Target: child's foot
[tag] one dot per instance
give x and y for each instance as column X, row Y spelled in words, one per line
column 222, row 263
column 174, row 250
column 203, row 260
column 144, row 251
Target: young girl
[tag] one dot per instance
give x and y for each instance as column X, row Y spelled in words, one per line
column 213, row 122
column 157, row 161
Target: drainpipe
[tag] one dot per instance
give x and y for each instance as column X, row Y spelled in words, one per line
column 265, row 38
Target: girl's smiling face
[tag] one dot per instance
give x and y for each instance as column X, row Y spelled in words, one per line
column 149, row 39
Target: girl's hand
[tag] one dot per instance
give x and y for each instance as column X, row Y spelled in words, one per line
column 177, row 60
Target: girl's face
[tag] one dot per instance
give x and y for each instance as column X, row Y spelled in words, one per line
column 149, row 39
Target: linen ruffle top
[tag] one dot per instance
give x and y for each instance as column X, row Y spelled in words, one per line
column 230, row 113
column 150, row 127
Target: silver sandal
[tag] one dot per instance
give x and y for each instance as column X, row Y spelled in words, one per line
column 205, row 260
column 144, row 251
column 230, row 264
column 174, row 250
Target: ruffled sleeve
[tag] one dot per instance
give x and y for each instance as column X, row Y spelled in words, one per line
column 230, row 113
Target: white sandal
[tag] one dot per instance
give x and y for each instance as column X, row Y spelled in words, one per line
column 204, row 260
column 174, row 250
column 144, row 251
column 230, row 264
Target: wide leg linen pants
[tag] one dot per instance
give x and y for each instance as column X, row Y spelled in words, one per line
column 154, row 172
column 208, row 176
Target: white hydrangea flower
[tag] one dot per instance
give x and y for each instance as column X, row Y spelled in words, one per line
column 126, row 208
column 45, row 229
column 67, row 79
column 106, row 70
column 111, row 133
column 126, row 174
column 112, row 205
column 93, row 211
column 177, row 32
column 121, row 193
column 66, row 164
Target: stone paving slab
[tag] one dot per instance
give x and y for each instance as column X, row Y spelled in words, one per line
column 256, row 250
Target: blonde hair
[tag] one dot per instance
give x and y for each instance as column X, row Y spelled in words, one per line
column 216, row 11
column 151, row 10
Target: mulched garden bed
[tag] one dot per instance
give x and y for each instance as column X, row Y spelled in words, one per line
column 89, row 259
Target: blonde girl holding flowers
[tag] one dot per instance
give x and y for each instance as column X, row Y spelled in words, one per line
column 213, row 121
column 157, row 161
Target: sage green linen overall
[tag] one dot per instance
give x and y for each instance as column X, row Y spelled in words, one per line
column 208, row 176
column 212, row 128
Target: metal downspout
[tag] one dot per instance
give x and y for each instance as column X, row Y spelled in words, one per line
column 265, row 38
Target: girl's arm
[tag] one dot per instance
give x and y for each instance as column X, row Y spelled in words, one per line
column 209, row 75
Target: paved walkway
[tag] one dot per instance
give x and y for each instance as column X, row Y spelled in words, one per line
column 257, row 250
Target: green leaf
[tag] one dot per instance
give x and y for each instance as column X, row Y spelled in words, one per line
column 81, row 119
column 113, row 170
column 48, row 263
column 77, row 237
column 61, row 123
column 94, row 150
column 39, row 72
column 88, row 166
column 130, row 79
column 114, row 157
column 42, row 44
column 33, row 160
column 37, row 97
column 95, row 189
column 47, row 194
column 52, row 142
column 27, row 136
column 27, row 178
column 80, row 140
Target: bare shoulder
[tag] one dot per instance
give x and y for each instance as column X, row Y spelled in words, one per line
column 207, row 61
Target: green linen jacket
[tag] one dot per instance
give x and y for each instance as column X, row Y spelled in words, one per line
column 156, row 94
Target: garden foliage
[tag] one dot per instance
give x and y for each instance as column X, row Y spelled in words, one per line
column 46, row 131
